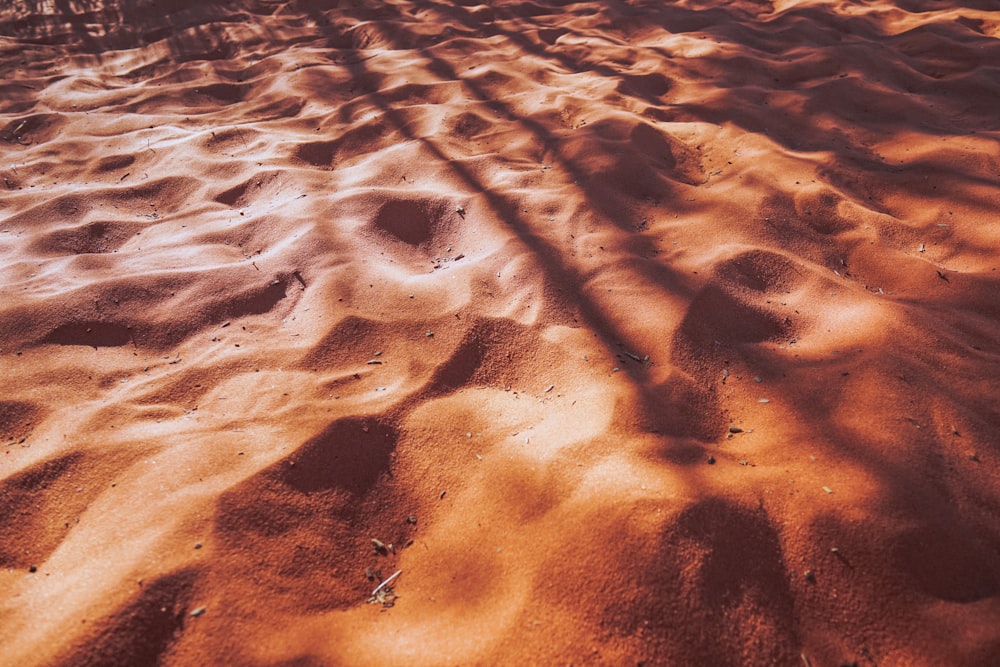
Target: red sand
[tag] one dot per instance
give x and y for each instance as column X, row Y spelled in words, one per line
column 496, row 285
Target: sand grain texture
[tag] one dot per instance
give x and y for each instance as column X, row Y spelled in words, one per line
column 660, row 333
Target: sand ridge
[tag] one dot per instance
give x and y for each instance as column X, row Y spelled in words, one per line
column 650, row 333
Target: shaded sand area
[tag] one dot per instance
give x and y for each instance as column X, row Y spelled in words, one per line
column 661, row 333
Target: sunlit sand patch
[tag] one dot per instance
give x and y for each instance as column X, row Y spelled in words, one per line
column 841, row 324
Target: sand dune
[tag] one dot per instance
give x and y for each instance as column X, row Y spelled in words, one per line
column 628, row 333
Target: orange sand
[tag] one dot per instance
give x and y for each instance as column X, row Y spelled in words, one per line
column 495, row 285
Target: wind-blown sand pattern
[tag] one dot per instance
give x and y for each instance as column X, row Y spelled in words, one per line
column 660, row 333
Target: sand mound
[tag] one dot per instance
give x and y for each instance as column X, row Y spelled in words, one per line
column 626, row 333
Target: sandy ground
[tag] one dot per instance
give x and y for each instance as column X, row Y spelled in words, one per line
column 659, row 333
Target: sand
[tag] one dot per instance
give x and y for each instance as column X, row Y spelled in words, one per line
column 659, row 333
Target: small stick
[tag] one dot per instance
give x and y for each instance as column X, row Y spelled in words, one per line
column 385, row 583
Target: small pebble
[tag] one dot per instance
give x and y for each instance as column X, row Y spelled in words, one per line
column 199, row 611
column 197, row 545
column 735, row 429
column 711, row 460
column 810, row 577
column 33, row 569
